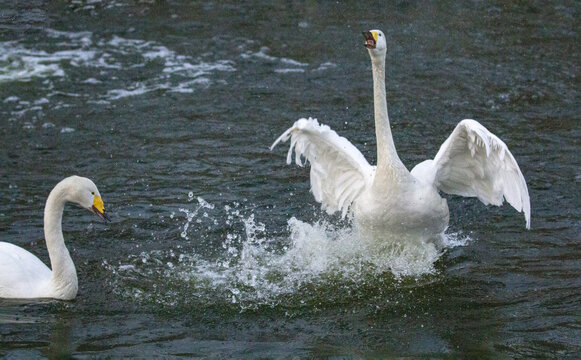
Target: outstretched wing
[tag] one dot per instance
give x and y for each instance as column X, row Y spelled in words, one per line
column 476, row 163
column 339, row 172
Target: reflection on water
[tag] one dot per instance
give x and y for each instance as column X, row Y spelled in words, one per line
column 217, row 248
column 60, row 342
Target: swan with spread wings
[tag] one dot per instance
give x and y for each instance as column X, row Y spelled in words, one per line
column 389, row 199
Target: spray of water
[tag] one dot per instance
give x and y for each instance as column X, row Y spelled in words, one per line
column 250, row 268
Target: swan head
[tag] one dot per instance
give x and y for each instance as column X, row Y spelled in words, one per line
column 84, row 192
column 375, row 41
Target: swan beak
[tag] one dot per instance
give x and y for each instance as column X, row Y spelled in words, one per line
column 99, row 208
column 370, row 39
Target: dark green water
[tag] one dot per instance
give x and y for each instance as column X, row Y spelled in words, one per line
column 217, row 249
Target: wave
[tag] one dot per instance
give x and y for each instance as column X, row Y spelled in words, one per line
column 72, row 68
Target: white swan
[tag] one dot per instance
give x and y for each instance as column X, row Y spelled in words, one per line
column 23, row 275
column 389, row 199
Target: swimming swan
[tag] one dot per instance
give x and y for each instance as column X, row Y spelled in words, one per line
column 389, row 199
column 23, row 275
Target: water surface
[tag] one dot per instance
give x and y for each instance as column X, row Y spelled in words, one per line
column 217, row 248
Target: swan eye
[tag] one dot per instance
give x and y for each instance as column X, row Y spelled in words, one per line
column 92, row 193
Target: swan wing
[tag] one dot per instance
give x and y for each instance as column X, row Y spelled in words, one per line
column 339, row 172
column 474, row 162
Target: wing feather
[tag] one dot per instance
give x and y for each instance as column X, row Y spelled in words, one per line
column 339, row 172
column 474, row 162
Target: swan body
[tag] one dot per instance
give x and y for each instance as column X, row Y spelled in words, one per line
column 387, row 198
column 23, row 275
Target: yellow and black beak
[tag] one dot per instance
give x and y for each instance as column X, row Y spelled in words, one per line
column 99, row 208
column 370, row 39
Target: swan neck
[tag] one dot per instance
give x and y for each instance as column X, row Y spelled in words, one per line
column 64, row 274
column 387, row 158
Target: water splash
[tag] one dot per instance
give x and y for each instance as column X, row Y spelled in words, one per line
column 191, row 214
column 250, row 268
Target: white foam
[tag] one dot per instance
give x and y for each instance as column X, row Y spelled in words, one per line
column 286, row 71
column 21, row 113
column 24, row 65
column 140, row 89
column 160, row 52
column 92, row 81
column 262, row 55
column 117, row 54
column 288, row 61
column 287, row 65
column 115, row 59
column 41, row 101
column 326, row 65
column 67, row 34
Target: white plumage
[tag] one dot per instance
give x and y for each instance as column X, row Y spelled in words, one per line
column 23, row 275
column 387, row 198
column 339, row 172
column 474, row 162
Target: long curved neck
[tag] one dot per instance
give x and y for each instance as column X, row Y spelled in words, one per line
column 388, row 162
column 64, row 274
